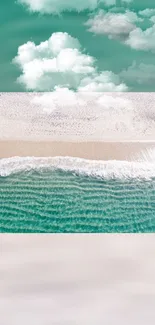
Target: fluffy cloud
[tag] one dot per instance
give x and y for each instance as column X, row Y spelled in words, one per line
column 142, row 40
column 147, row 12
column 141, row 74
column 115, row 25
column 105, row 81
column 122, row 26
column 59, row 61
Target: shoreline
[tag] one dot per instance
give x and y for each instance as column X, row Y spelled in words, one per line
column 87, row 150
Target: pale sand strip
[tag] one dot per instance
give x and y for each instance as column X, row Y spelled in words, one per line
column 77, row 279
column 118, row 117
column 88, row 150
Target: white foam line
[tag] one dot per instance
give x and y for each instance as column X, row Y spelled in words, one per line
column 94, row 168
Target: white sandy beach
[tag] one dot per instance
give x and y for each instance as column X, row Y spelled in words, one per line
column 77, row 279
column 101, row 126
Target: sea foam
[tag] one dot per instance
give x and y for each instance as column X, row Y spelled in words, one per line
column 95, row 168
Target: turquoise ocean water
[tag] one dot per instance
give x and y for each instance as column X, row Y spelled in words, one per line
column 57, row 200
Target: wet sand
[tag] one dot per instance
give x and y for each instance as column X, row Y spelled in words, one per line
column 88, row 150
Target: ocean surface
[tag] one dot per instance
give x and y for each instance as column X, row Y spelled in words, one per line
column 76, row 195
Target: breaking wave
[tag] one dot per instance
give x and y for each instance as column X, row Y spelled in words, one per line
column 142, row 169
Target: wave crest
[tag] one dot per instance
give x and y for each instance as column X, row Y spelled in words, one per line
column 94, row 168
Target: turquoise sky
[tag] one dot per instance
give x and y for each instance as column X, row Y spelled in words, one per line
column 18, row 26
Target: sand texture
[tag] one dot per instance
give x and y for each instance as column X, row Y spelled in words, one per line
column 92, row 117
column 88, row 150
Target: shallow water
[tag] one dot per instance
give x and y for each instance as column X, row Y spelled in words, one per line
column 63, row 201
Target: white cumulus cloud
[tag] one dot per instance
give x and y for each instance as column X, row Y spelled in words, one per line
column 122, row 26
column 59, row 61
column 142, row 39
column 115, row 25
column 147, row 12
column 105, row 81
